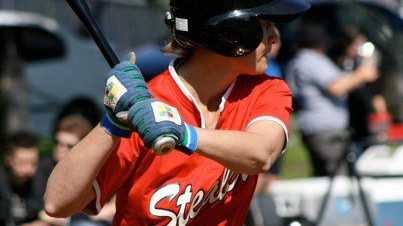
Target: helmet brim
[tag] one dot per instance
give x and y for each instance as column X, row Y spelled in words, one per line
column 280, row 10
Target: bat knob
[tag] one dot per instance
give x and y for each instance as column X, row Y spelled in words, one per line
column 163, row 145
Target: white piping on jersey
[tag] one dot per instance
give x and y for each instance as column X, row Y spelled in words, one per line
column 276, row 120
column 95, row 185
column 225, row 97
column 185, row 91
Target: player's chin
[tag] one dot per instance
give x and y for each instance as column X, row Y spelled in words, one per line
column 257, row 71
column 261, row 66
column 257, row 68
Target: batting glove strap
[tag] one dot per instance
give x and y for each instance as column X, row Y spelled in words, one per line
column 113, row 126
column 189, row 141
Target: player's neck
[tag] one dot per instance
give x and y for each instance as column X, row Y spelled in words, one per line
column 207, row 79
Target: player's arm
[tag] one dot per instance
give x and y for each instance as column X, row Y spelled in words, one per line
column 69, row 187
column 251, row 152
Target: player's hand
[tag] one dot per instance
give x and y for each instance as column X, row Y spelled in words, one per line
column 125, row 87
column 153, row 119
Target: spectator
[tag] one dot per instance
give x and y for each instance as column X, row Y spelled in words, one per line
column 20, row 204
column 348, row 52
column 320, row 90
column 380, row 120
column 73, row 123
column 80, row 106
column 69, row 131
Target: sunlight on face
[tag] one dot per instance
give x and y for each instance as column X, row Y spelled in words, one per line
column 257, row 61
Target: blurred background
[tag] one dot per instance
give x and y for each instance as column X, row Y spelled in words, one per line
column 48, row 59
column 56, row 59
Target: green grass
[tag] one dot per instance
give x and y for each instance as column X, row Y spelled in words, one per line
column 295, row 162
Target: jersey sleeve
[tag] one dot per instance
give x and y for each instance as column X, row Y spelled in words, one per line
column 117, row 168
column 274, row 103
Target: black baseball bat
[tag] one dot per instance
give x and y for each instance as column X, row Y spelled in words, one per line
column 83, row 11
column 163, row 144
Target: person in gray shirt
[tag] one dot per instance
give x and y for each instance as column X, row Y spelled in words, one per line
column 320, row 90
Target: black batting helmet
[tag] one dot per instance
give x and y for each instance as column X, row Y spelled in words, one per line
column 228, row 27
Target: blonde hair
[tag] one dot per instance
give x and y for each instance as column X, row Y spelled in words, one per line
column 179, row 47
column 75, row 124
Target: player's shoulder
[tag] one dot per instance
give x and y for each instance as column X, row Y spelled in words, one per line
column 164, row 86
column 160, row 82
column 263, row 81
column 158, row 79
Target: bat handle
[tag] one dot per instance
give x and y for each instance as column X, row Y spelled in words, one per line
column 163, row 145
column 83, row 11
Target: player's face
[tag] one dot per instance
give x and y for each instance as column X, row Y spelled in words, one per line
column 257, row 62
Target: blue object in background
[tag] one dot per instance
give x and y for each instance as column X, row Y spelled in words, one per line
column 389, row 213
column 274, row 69
column 151, row 60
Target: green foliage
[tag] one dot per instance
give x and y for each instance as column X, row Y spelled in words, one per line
column 45, row 146
column 295, row 162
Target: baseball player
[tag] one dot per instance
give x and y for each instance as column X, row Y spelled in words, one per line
column 228, row 119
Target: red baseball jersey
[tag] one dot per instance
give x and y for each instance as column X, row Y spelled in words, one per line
column 180, row 189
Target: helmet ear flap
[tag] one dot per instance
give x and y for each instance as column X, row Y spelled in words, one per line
column 234, row 35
